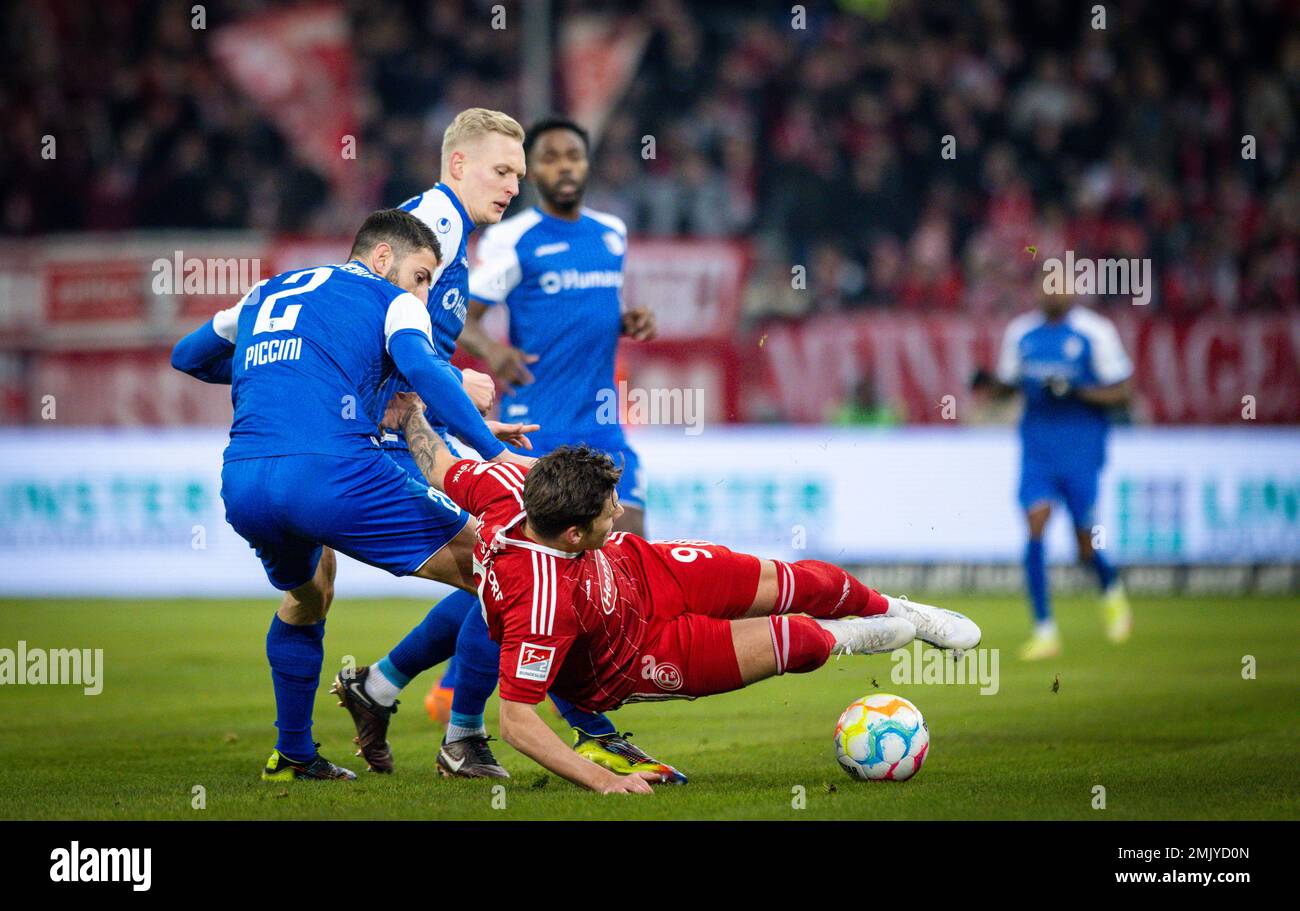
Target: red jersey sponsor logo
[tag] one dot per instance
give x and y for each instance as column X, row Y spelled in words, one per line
column 605, row 579
column 667, row 677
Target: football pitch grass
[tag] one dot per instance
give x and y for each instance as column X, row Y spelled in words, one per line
column 1166, row 724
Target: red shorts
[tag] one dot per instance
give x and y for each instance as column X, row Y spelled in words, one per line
column 701, row 588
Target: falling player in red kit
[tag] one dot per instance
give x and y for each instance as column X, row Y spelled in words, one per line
column 606, row 618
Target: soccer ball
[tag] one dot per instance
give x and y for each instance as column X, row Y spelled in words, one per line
column 881, row 738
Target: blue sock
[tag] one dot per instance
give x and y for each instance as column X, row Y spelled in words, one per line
column 433, row 641
column 1105, row 572
column 295, row 654
column 477, row 657
column 1036, row 579
column 588, row 723
column 461, row 726
column 448, row 681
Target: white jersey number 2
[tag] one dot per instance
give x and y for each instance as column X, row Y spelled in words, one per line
column 287, row 320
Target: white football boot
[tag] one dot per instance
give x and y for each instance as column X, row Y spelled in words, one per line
column 944, row 628
column 868, row 635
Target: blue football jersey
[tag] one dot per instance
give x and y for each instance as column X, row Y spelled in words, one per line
column 562, row 281
column 1083, row 347
column 439, row 208
column 311, row 353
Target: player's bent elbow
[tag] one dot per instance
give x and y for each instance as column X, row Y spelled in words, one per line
column 179, row 361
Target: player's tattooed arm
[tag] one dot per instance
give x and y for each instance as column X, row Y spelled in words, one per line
column 405, row 412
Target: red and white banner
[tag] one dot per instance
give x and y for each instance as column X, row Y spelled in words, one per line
column 599, row 55
column 90, row 321
column 695, row 288
column 1198, row 371
column 298, row 66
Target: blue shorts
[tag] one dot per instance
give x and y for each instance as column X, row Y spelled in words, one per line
column 631, row 486
column 287, row 507
column 1075, row 485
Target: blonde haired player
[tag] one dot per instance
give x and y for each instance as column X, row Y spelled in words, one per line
column 482, row 163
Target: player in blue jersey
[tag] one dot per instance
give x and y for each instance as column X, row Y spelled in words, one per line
column 465, row 750
column 482, row 163
column 1070, row 366
column 558, row 268
column 483, row 159
column 307, row 354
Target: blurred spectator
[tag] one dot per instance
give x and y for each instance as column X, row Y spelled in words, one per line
column 865, row 409
column 827, row 142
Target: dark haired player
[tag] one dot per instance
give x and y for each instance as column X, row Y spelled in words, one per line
column 603, row 618
column 306, row 353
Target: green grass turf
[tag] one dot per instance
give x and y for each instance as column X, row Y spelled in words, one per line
column 1166, row 724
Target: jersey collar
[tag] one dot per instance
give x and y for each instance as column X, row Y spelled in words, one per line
column 548, row 217
column 455, row 201
column 502, row 538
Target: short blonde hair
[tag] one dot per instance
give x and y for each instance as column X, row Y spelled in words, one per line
column 472, row 123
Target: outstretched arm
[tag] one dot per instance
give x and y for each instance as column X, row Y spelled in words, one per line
column 204, row 355
column 530, row 735
column 438, row 382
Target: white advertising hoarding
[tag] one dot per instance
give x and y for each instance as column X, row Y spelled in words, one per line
column 139, row 512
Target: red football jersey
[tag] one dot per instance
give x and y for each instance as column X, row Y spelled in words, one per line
column 571, row 623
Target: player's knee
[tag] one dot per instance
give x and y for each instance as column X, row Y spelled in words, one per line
column 325, row 598
column 1085, row 546
column 328, row 568
column 325, row 574
column 800, row 644
column 1037, row 520
column 821, row 589
column 307, row 604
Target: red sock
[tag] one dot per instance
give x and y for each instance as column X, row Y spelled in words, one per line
column 823, row 590
column 799, row 643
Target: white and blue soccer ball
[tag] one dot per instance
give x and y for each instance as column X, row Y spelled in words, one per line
column 881, row 738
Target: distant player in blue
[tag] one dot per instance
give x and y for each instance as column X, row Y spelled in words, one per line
column 558, row 267
column 1070, row 366
column 307, row 354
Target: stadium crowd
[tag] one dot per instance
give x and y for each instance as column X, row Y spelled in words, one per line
column 1169, row 134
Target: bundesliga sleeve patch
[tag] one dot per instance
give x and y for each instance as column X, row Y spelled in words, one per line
column 535, row 662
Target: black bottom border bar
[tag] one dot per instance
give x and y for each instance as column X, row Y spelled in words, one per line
column 512, row 861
